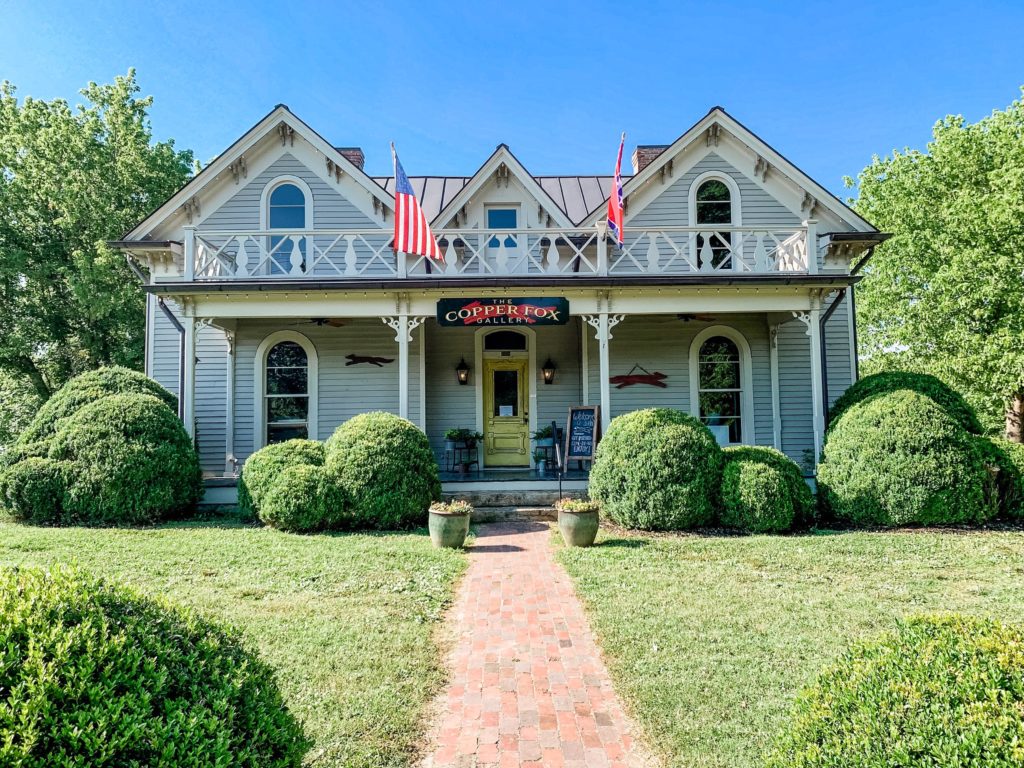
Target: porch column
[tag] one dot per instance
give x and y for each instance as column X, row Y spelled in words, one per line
column 188, row 397
column 403, row 325
column 812, row 319
column 230, row 465
column 603, row 323
column 773, row 363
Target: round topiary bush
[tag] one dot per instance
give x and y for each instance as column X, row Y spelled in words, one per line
column 937, row 692
column 130, row 463
column 947, row 398
column 303, row 498
column 899, row 459
column 763, row 491
column 386, row 467
column 32, row 490
column 87, row 388
column 657, row 469
column 97, row 674
column 264, row 467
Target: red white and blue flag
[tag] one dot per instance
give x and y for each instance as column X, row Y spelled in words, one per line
column 615, row 198
column 412, row 232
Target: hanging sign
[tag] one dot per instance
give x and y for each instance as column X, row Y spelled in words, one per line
column 502, row 311
column 581, row 435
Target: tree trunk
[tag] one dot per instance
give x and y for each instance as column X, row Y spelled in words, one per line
column 1015, row 417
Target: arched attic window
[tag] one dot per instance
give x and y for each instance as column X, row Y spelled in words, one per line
column 713, row 207
column 286, row 209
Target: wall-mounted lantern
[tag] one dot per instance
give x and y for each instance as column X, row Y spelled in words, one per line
column 462, row 371
column 548, row 371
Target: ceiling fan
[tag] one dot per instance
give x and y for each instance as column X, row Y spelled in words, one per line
column 320, row 322
column 704, row 318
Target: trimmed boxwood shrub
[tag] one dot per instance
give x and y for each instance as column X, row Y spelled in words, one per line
column 387, row 469
column 763, row 491
column 96, row 674
column 936, row 692
column 899, row 459
column 1007, row 461
column 303, row 499
column 33, row 490
column 947, row 398
column 131, row 463
column 264, row 467
column 657, row 469
column 87, row 388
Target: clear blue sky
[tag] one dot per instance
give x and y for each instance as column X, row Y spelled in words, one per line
column 827, row 84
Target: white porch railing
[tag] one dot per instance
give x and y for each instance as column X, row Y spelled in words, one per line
column 335, row 253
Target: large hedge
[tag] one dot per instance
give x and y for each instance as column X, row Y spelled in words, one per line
column 947, row 398
column 95, row 674
column 387, row 469
column 657, row 469
column 97, row 458
column 937, row 692
column 763, row 491
column 900, row 459
column 87, row 388
column 264, row 467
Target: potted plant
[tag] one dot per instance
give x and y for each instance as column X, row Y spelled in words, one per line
column 540, row 459
column 544, row 437
column 460, row 437
column 578, row 520
column 449, row 523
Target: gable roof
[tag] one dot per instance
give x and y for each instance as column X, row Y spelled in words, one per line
column 280, row 113
column 755, row 142
column 575, row 196
column 502, row 155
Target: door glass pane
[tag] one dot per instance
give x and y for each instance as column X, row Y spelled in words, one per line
column 506, row 393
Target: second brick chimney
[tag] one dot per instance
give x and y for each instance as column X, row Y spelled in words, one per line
column 354, row 155
column 645, row 154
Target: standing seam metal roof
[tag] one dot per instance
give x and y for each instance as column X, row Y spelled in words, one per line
column 575, row 195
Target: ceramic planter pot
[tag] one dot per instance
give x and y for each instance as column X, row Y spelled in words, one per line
column 578, row 529
column 448, row 530
column 545, row 442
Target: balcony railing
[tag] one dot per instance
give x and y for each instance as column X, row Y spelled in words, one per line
column 353, row 254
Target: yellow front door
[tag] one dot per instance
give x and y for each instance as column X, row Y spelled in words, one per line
column 506, row 419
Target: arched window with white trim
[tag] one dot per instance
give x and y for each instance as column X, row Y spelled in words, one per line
column 286, row 207
column 720, row 385
column 714, row 208
column 286, row 389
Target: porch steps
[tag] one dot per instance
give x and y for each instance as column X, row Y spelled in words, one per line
column 510, row 498
column 510, row 514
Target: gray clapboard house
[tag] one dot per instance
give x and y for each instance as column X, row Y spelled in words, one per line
column 277, row 308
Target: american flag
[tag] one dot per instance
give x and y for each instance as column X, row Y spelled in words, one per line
column 412, row 232
column 615, row 198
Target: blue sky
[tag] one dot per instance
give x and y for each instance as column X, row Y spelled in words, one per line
column 827, row 84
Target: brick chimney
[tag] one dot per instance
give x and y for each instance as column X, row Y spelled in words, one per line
column 645, row 154
column 354, row 155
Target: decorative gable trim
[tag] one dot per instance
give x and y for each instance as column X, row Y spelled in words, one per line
column 286, row 125
column 767, row 162
column 501, row 166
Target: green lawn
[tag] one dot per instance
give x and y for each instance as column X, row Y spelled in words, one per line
column 709, row 638
column 348, row 621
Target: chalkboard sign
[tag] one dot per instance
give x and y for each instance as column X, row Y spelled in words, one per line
column 581, row 435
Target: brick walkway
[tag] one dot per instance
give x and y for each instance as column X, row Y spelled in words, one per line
column 528, row 686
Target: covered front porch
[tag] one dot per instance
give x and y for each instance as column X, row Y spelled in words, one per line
column 617, row 349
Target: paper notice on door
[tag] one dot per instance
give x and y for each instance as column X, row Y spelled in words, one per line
column 505, row 410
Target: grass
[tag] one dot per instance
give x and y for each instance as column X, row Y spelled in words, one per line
column 348, row 621
column 709, row 638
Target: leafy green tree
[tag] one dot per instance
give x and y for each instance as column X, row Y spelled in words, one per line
column 946, row 294
column 71, row 179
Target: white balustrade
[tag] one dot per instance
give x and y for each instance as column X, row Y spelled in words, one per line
column 351, row 254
